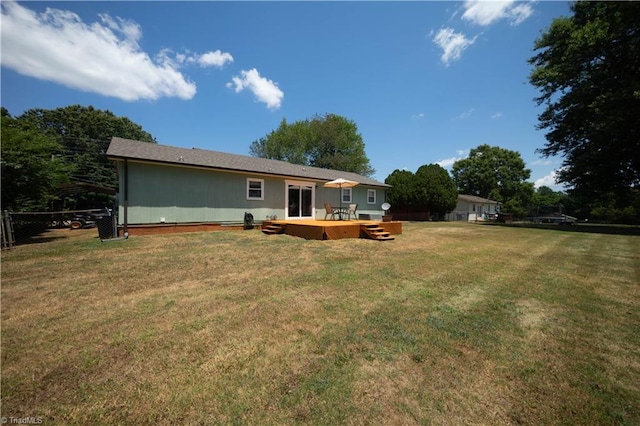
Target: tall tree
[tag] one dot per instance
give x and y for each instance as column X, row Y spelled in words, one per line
column 497, row 174
column 290, row 142
column 85, row 123
column 435, row 190
column 328, row 141
column 32, row 166
column 547, row 197
column 547, row 201
column 85, row 133
column 587, row 68
column 402, row 194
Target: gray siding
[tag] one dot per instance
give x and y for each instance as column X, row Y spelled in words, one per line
column 183, row 195
column 358, row 195
column 178, row 194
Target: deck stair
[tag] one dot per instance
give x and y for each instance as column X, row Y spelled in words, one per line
column 273, row 228
column 375, row 232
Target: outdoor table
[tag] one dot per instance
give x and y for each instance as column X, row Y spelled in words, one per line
column 341, row 212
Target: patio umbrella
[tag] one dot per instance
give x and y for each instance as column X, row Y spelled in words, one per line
column 341, row 183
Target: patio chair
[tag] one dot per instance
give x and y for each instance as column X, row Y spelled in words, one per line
column 352, row 211
column 329, row 210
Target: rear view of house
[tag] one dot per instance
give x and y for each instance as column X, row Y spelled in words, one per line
column 160, row 184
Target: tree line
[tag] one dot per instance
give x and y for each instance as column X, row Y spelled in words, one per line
column 45, row 149
column 586, row 67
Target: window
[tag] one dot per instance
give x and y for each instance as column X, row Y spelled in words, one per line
column 346, row 195
column 255, row 189
column 371, row 196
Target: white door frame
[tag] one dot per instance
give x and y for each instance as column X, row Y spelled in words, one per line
column 307, row 184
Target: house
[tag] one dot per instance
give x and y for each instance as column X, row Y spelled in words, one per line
column 160, row 184
column 471, row 208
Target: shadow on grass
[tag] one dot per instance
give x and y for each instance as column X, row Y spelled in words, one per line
column 580, row 227
column 46, row 236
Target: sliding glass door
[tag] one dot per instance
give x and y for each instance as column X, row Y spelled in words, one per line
column 300, row 198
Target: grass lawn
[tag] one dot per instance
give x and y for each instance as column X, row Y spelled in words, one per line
column 448, row 324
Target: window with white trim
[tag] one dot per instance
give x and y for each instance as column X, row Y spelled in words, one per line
column 371, row 196
column 255, row 189
column 346, row 195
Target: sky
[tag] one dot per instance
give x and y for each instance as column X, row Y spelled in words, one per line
column 425, row 82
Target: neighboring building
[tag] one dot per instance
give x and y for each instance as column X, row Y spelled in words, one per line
column 471, row 208
column 164, row 184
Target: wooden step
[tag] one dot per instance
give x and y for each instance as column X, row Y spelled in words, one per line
column 376, row 232
column 273, row 229
column 382, row 236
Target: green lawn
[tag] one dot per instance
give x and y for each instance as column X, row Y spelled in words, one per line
column 448, row 324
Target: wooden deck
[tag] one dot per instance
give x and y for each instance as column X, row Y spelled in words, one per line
column 333, row 229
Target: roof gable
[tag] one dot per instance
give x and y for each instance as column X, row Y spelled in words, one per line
column 120, row 148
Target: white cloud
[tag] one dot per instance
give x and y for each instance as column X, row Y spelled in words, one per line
column 264, row 90
column 520, row 13
column 215, row 59
column 129, row 29
column 102, row 57
column 542, row 162
column 418, row 116
column 466, row 114
column 169, row 59
column 485, row 13
column 496, row 115
column 176, row 60
column 448, row 162
column 452, row 44
column 548, row 180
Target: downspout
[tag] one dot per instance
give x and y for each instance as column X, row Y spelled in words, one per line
column 126, row 198
column 114, row 222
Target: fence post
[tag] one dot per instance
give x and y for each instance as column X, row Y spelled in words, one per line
column 7, row 230
column 3, row 232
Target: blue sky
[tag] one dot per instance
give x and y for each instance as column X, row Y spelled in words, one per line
column 425, row 82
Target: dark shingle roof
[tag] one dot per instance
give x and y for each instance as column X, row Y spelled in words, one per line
column 137, row 150
column 475, row 199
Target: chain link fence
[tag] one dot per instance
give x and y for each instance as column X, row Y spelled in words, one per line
column 21, row 227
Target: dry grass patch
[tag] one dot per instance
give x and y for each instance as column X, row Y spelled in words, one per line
column 532, row 314
column 447, row 324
